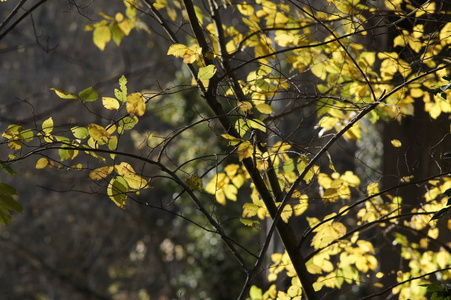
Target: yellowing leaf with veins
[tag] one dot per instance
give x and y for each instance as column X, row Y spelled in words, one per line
column 100, row 173
column 124, row 169
column 206, row 72
column 136, row 104
column 135, row 181
column 98, row 133
column 117, row 191
column 110, row 103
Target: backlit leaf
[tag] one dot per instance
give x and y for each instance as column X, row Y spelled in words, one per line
column 124, row 169
column 101, row 173
column 89, row 94
column 42, row 163
column 117, row 191
column 98, row 133
column 245, row 150
column 101, row 36
column 206, row 72
column 80, row 132
column 256, row 124
column 264, row 108
column 136, row 104
column 396, row 143
column 110, row 103
column 47, row 125
column 64, row 95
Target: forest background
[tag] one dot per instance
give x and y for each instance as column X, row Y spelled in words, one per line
column 225, row 149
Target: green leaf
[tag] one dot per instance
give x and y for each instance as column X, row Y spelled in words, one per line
column 117, row 191
column 440, row 213
column 8, row 202
column 5, row 216
column 89, row 94
column 123, row 86
column 194, row 183
column 80, row 132
column 126, row 123
column 7, row 169
column 116, row 33
column 67, row 154
column 251, row 223
column 433, row 287
column 206, row 72
column 446, row 155
column 7, row 189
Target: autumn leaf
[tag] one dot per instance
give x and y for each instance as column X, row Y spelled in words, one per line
column 110, row 103
column 100, row 173
column 42, row 163
column 206, row 72
column 136, row 104
column 245, row 150
column 98, row 133
column 64, row 95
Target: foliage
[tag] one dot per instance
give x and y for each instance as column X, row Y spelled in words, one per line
column 268, row 70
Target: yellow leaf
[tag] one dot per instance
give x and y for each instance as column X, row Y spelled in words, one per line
column 232, row 140
column 351, row 179
column 264, row 108
column 177, row 50
column 124, row 169
column 230, row 191
column 119, row 17
column 135, row 181
column 206, row 72
column 64, row 95
column 136, row 104
column 249, row 210
column 245, row 150
column 100, row 173
column 126, row 26
column 245, row 9
column 396, row 143
column 42, row 163
column 47, row 125
column 110, row 103
column 101, row 36
column 98, row 133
